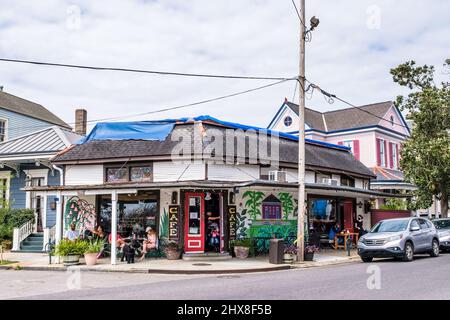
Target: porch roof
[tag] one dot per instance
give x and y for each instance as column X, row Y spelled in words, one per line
column 310, row 187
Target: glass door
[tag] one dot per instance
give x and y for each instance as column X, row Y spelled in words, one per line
column 194, row 239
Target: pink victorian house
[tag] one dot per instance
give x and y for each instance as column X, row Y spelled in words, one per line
column 374, row 133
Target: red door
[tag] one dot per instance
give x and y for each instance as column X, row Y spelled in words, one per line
column 348, row 215
column 194, row 232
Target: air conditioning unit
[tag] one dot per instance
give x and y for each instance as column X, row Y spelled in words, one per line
column 331, row 182
column 279, row 176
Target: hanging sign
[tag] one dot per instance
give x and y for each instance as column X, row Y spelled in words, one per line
column 232, row 221
column 174, row 224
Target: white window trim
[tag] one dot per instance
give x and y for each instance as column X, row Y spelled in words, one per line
column 394, row 152
column 6, row 175
column 382, row 158
column 6, row 128
column 37, row 173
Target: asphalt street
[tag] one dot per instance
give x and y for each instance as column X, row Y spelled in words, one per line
column 424, row 278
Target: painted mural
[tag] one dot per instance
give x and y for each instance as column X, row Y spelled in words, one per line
column 265, row 215
column 80, row 212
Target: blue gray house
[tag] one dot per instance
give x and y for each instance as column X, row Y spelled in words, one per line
column 30, row 136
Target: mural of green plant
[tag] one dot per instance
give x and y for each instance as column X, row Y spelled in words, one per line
column 253, row 203
column 240, row 224
column 287, row 203
column 80, row 212
column 164, row 225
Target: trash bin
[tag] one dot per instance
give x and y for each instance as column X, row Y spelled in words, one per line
column 276, row 250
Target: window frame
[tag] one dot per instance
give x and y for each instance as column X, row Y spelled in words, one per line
column 128, row 167
column 5, row 134
column 284, row 121
column 382, row 152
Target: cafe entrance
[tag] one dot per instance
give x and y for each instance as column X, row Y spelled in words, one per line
column 204, row 223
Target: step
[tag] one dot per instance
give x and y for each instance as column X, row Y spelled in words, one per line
column 32, row 248
column 33, row 240
column 206, row 256
column 28, row 251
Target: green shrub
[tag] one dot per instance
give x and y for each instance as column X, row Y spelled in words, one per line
column 394, row 204
column 68, row 247
column 13, row 218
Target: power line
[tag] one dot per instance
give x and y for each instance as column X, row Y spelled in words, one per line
column 167, row 73
column 175, row 107
column 331, row 98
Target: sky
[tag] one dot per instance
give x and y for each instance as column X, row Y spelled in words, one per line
column 350, row 55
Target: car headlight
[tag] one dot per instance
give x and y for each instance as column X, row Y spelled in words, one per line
column 394, row 238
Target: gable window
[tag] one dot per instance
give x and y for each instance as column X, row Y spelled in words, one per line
column 392, row 120
column 288, row 121
column 3, row 124
column 117, row 174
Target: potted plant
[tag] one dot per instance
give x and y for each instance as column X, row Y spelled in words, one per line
column 309, row 252
column 93, row 249
column 290, row 252
column 70, row 251
column 173, row 250
column 242, row 248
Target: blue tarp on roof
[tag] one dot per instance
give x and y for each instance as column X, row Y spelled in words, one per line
column 135, row 130
column 159, row 130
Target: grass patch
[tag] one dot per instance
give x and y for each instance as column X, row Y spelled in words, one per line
column 5, row 262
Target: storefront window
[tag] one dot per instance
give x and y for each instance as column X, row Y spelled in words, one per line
column 117, row 174
column 322, row 210
column 135, row 214
column 140, row 173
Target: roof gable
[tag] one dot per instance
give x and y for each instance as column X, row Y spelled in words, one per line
column 28, row 108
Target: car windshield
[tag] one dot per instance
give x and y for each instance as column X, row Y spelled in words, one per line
column 442, row 224
column 390, row 226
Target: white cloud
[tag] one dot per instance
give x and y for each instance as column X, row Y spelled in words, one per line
column 257, row 37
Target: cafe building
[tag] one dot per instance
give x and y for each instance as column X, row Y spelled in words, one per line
column 190, row 182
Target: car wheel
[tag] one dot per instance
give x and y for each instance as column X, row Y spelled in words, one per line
column 434, row 248
column 409, row 252
column 366, row 259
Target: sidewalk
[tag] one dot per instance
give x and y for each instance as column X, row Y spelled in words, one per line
column 38, row 261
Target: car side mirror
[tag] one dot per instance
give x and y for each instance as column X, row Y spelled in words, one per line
column 415, row 229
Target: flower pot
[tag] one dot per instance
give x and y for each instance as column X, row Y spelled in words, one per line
column 90, row 258
column 308, row 256
column 173, row 254
column 241, row 252
column 71, row 260
column 288, row 258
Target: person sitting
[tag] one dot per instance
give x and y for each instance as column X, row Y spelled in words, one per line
column 98, row 233
column 149, row 242
column 120, row 242
column 72, row 234
column 334, row 231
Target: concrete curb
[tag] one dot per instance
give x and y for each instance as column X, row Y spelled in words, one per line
column 325, row 264
column 152, row 271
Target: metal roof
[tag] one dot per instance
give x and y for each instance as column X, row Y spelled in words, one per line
column 47, row 141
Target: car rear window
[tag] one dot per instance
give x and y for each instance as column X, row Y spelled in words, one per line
column 442, row 224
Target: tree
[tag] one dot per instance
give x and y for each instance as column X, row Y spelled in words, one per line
column 425, row 155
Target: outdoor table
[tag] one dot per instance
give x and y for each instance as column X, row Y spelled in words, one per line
column 346, row 235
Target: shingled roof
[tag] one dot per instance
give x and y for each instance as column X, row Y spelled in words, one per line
column 28, row 108
column 317, row 154
column 349, row 118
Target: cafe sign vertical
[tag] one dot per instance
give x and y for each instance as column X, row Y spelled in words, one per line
column 232, row 221
column 174, row 223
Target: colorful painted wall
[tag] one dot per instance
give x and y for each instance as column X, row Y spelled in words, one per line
column 265, row 213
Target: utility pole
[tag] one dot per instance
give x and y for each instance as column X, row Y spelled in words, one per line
column 301, row 139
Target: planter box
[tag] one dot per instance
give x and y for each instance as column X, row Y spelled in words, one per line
column 288, row 258
column 90, row 258
column 172, row 254
column 308, row 256
column 241, row 252
column 71, row 260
